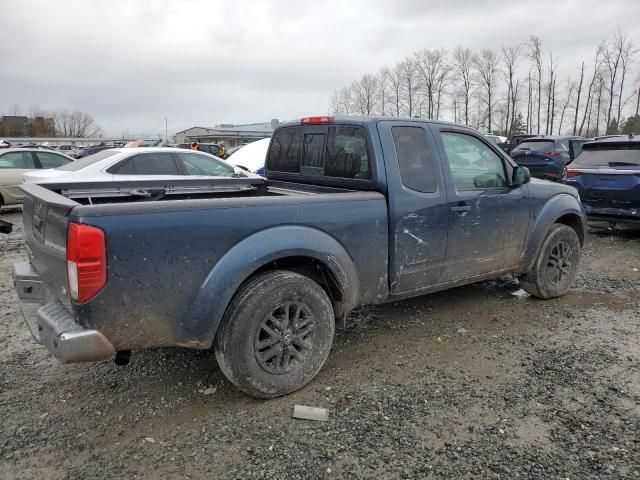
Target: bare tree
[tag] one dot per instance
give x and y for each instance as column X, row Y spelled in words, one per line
column 510, row 56
column 570, row 88
column 432, row 72
column 409, row 86
column 612, row 57
column 597, row 62
column 383, row 89
column 550, row 91
column 342, row 101
column 486, row 74
column 463, row 65
column 535, row 54
column 75, row 124
column 395, row 81
column 529, row 103
column 626, row 60
column 575, row 117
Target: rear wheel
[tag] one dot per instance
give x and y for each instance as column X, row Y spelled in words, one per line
column 556, row 267
column 275, row 335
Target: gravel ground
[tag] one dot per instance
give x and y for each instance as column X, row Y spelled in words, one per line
column 470, row 383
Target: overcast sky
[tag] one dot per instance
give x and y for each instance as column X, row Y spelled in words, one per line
column 132, row 63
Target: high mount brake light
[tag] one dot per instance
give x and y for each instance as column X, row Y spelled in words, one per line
column 316, row 120
column 86, row 261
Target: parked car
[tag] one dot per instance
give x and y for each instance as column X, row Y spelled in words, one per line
column 607, row 176
column 354, row 211
column 497, row 139
column 15, row 162
column 251, row 157
column 69, row 150
column 515, row 140
column 545, row 157
column 91, row 149
column 121, row 164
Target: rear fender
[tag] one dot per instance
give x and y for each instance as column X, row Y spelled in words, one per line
column 557, row 209
column 253, row 253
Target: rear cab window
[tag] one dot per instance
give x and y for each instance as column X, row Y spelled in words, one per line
column 334, row 152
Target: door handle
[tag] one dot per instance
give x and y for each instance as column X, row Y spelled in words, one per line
column 462, row 210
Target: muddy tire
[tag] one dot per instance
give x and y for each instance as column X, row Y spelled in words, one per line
column 275, row 335
column 556, row 267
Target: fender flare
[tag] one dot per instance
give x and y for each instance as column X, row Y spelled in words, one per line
column 248, row 256
column 559, row 206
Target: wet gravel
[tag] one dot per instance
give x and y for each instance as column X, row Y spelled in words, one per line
column 470, row 383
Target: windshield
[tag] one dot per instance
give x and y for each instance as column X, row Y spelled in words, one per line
column 610, row 155
column 89, row 160
column 537, row 145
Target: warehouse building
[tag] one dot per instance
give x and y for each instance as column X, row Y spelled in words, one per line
column 227, row 134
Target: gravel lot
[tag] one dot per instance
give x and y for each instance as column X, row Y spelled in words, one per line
column 469, row 383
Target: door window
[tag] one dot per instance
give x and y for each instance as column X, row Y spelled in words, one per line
column 474, row 165
column 18, row 160
column 156, row 163
column 51, row 160
column 415, row 159
column 203, row 165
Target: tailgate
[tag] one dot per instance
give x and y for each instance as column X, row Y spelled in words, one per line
column 622, row 189
column 45, row 216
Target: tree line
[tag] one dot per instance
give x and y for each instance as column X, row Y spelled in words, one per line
column 514, row 90
column 68, row 123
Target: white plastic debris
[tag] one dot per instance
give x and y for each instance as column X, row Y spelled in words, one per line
column 210, row 390
column 520, row 294
column 462, row 331
column 310, row 413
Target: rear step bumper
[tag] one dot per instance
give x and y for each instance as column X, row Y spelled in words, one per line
column 52, row 325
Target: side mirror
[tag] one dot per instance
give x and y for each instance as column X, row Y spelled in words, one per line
column 521, row 176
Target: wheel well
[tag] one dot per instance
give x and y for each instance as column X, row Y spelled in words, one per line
column 575, row 222
column 316, row 271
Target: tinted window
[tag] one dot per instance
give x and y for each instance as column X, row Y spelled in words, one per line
column 16, row 160
column 346, row 153
column 203, row 165
column 538, row 145
column 51, row 160
column 415, row 159
column 153, row 163
column 609, row 155
column 340, row 153
column 284, row 154
column 88, row 160
column 473, row 164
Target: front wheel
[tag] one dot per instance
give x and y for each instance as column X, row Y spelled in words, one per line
column 556, row 267
column 275, row 335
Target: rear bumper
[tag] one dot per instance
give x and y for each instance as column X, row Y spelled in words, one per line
column 52, row 325
column 617, row 215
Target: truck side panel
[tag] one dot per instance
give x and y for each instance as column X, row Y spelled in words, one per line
column 159, row 260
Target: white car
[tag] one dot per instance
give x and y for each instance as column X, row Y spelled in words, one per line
column 251, row 157
column 122, row 164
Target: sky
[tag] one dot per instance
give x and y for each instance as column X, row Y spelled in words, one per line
column 133, row 63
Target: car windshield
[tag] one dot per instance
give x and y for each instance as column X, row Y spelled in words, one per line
column 537, row 145
column 88, row 160
column 622, row 155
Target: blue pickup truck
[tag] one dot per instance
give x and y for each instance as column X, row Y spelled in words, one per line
column 353, row 211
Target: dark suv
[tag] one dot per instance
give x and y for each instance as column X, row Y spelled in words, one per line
column 545, row 157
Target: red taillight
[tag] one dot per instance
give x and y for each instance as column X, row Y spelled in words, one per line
column 316, row 120
column 551, row 154
column 569, row 173
column 86, row 261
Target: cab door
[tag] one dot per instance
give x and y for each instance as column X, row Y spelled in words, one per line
column 488, row 217
column 418, row 210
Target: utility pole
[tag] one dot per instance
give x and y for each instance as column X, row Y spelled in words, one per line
column 166, row 130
